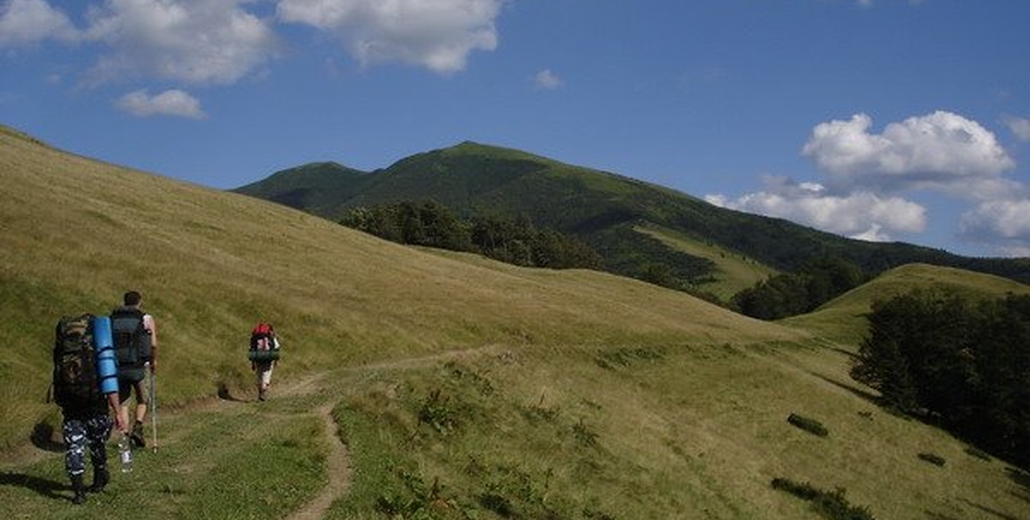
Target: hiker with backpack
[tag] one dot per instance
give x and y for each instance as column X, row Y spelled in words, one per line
column 135, row 342
column 85, row 387
column 263, row 355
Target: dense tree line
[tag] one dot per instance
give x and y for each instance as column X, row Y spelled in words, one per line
column 790, row 294
column 963, row 363
column 432, row 224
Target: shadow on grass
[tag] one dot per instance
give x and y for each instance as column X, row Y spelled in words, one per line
column 933, row 515
column 849, row 354
column 42, row 437
column 45, row 487
column 999, row 514
column 864, row 394
column 225, row 395
column 1022, row 479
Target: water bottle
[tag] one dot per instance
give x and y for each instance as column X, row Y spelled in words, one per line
column 125, row 453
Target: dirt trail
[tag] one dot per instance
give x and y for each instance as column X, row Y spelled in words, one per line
column 338, row 468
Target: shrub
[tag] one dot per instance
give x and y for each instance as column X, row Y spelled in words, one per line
column 936, row 460
column 438, row 413
column 498, row 504
column 829, row 504
column 809, row 425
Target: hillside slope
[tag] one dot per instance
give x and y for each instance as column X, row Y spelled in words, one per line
column 462, row 387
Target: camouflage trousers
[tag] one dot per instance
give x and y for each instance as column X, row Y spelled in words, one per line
column 79, row 434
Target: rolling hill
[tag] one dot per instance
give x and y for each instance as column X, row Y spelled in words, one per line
column 617, row 215
column 461, row 387
column 843, row 319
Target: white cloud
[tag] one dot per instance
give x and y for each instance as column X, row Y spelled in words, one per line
column 941, row 151
column 26, row 22
column 862, row 214
column 1019, row 126
column 196, row 42
column 168, row 103
column 1003, row 223
column 547, row 80
column 438, row 35
column 1008, row 219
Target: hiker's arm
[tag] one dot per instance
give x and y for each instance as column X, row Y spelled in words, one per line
column 152, row 327
column 112, row 401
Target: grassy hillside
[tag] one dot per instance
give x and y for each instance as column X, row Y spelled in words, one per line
column 462, row 388
column 732, row 272
column 843, row 319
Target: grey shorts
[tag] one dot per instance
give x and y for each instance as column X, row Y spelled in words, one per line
column 134, row 381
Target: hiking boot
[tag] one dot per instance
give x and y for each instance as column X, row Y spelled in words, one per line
column 137, row 436
column 80, row 490
column 100, row 479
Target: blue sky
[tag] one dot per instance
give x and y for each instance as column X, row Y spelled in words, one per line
column 878, row 119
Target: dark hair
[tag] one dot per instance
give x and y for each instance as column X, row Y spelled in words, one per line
column 132, row 298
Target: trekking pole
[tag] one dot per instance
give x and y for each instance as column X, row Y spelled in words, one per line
column 153, row 405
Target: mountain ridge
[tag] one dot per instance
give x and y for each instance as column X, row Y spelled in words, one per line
column 603, row 209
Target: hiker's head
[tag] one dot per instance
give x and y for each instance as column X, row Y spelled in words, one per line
column 132, row 298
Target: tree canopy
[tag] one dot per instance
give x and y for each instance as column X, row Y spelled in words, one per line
column 963, row 363
column 515, row 241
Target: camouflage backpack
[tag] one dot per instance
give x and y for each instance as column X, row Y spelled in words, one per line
column 76, row 383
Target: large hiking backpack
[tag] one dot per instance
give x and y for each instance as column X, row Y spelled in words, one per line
column 263, row 346
column 131, row 338
column 76, row 382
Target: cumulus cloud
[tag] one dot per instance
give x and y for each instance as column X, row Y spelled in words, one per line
column 1004, row 222
column 547, row 80
column 868, row 174
column 438, row 35
column 26, row 22
column 204, row 42
column 168, row 103
column 1019, row 126
column 941, row 151
column 863, row 215
column 196, row 42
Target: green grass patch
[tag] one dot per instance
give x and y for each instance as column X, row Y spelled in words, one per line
column 240, row 464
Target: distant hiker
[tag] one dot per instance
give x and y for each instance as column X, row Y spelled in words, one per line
column 85, row 387
column 263, row 355
column 135, row 342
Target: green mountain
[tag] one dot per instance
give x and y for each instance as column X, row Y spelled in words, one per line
column 634, row 225
column 419, row 383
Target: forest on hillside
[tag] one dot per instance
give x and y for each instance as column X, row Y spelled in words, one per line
column 957, row 362
column 513, row 241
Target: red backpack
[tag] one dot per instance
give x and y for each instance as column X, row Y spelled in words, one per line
column 263, row 347
column 261, row 337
